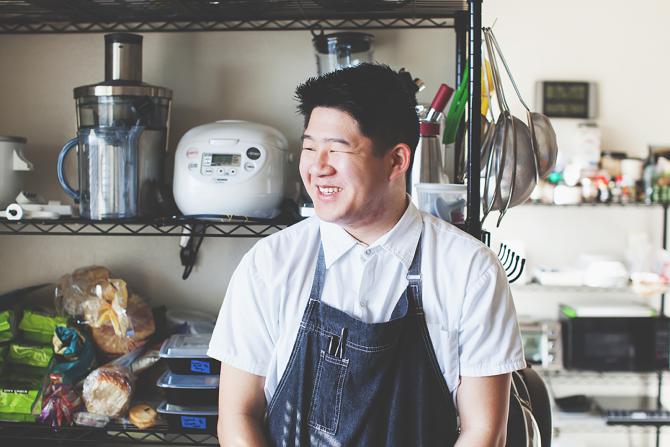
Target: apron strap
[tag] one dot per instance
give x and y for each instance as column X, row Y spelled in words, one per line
column 319, row 276
column 414, row 279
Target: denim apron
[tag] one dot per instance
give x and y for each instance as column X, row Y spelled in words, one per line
column 350, row 383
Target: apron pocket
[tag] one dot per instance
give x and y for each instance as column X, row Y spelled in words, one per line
column 324, row 410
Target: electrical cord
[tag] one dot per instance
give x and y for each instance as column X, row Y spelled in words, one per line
column 188, row 254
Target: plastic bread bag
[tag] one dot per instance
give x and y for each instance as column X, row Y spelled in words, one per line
column 140, row 318
column 108, row 390
column 108, row 307
column 78, row 287
column 59, row 404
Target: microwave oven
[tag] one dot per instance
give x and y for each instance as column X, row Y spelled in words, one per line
column 615, row 343
column 542, row 343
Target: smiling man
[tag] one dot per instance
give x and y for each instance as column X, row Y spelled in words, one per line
column 371, row 323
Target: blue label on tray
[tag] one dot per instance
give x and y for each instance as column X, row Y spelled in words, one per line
column 194, row 422
column 198, row 366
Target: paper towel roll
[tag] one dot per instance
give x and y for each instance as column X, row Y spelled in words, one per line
column 14, row 212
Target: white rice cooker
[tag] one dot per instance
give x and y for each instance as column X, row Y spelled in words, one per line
column 230, row 168
column 12, row 163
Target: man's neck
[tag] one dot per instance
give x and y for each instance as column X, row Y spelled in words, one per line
column 369, row 233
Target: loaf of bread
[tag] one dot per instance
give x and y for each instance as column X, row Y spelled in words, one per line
column 108, row 390
column 143, row 416
column 74, row 289
column 142, row 323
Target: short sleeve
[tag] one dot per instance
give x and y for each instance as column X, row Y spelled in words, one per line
column 489, row 338
column 243, row 335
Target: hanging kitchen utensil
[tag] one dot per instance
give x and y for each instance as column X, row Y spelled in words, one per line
column 489, row 128
column 454, row 127
column 514, row 173
column 541, row 130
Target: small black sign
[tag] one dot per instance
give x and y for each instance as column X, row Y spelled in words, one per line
column 568, row 99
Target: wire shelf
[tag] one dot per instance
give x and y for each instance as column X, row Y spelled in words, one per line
column 112, row 434
column 174, row 226
column 87, row 16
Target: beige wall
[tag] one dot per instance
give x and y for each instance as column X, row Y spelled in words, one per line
column 218, row 75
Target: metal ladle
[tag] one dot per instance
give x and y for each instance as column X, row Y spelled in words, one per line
column 542, row 133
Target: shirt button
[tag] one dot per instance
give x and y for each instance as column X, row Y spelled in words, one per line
column 368, row 252
column 361, row 303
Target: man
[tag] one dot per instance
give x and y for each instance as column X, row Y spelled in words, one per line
column 370, row 324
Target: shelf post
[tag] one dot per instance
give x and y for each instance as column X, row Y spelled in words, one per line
column 473, row 223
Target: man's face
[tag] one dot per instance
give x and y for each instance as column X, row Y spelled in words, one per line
column 346, row 181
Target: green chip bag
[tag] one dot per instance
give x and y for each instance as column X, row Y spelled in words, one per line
column 19, row 404
column 38, row 327
column 6, row 320
column 3, row 353
column 28, row 355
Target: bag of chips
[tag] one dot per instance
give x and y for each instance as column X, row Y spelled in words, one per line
column 39, row 327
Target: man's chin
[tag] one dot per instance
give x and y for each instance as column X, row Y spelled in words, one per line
column 326, row 215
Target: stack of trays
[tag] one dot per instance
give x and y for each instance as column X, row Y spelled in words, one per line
column 191, row 384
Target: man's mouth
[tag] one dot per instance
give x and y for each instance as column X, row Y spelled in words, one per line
column 328, row 190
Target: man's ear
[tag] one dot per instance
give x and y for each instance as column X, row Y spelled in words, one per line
column 399, row 158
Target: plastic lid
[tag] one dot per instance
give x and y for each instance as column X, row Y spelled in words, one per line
column 166, row 408
column 181, row 316
column 185, row 346
column 357, row 42
column 184, row 381
column 456, row 187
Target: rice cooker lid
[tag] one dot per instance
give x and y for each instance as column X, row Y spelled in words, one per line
column 10, row 139
column 244, row 131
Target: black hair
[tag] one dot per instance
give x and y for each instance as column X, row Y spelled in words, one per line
column 374, row 95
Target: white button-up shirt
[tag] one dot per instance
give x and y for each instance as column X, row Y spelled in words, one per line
column 466, row 297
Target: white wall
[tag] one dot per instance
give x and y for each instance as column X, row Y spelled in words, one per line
column 621, row 46
column 217, row 75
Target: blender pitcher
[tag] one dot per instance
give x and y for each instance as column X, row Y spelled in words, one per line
column 107, row 172
column 122, row 127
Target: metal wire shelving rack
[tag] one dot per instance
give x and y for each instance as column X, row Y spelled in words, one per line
column 236, row 227
column 92, row 16
column 77, row 16
column 111, row 434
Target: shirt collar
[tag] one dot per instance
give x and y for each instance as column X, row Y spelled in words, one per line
column 400, row 241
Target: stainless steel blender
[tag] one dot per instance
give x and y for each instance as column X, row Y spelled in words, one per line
column 122, row 129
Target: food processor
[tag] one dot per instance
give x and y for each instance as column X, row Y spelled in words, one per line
column 122, row 129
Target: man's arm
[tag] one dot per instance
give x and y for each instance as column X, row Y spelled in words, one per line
column 483, row 406
column 241, row 408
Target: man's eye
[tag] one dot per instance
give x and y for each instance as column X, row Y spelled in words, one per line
column 308, row 149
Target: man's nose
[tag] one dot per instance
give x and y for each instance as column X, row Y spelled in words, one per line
column 321, row 164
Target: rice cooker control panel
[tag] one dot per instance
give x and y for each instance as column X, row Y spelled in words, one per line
column 231, row 166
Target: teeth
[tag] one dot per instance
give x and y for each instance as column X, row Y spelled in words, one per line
column 329, row 190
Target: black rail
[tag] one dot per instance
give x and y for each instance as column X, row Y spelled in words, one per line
column 81, row 16
column 112, row 434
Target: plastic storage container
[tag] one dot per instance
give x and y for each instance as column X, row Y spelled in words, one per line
column 189, row 419
column 340, row 50
column 444, row 200
column 187, row 354
column 189, row 390
column 185, row 321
